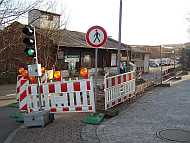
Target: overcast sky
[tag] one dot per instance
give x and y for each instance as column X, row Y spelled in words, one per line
column 144, row 21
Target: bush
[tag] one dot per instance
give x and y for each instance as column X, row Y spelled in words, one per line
column 8, row 77
column 140, row 81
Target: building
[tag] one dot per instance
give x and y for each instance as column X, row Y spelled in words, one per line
column 140, row 57
column 186, row 56
column 73, row 50
column 43, row 19
column 62, row 48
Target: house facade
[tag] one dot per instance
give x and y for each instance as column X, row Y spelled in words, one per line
column 73, row 50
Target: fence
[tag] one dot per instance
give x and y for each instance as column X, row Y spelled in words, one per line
column 75, row 95
column 118, row 89
column 67, row 96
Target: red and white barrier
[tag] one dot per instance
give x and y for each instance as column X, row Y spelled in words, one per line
column 67, row 96
column 118, row 89
column 21, row 92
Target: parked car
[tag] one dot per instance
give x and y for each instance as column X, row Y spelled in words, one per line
column 153, row 64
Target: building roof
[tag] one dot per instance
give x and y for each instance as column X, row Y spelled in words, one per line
column 67, row 38
column 139, row 49
column 46, row 12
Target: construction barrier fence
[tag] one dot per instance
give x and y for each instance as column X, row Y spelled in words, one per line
column 118, row 89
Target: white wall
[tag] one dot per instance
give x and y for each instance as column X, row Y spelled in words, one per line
column 146, row 62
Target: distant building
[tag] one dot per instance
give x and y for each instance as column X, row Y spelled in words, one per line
column 44, row 19
column 140, row 57
column 186, row 57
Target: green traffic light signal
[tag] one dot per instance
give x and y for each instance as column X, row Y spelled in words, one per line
column 30, row 52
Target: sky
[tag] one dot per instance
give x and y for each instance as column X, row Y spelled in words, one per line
column 144, row 22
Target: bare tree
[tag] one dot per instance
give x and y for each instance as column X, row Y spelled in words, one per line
column 46, row 43
column 10, row 10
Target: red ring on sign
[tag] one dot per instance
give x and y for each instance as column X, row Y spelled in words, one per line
column 88, row 35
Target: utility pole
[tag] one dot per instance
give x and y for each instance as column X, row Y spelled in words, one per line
column 119, row 37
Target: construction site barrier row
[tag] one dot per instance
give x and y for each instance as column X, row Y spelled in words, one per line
column 74, row 95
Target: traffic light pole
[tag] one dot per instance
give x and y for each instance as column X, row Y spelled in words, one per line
column 38, row 77
column 36, row 51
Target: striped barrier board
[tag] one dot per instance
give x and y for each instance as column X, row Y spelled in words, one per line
column 67, row 96
column 118, row 89
column 21, row 92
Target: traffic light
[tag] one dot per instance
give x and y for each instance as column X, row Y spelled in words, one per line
column 29, row 41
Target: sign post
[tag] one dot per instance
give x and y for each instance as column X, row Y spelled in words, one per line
column 96, row 36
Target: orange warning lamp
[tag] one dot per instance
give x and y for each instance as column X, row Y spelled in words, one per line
column 20, row 70
column 24, row 73
column 43, row 69
column 33, row 79
column 57, row 75
column 84, row 72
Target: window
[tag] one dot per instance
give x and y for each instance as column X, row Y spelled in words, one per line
column 87, row 61
column 50, row 17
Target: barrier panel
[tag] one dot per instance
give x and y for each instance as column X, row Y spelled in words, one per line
column 21, row 92
column 118, row 89
column 66, row 96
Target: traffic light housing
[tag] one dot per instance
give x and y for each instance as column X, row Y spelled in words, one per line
column 29, row 41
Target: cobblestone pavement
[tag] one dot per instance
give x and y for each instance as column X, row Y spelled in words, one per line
column 65, row 129
column 158, row 109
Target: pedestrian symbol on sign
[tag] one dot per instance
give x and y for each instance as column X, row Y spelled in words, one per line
column 97, row 36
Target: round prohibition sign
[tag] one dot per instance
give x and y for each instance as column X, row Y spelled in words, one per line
column 96, row 36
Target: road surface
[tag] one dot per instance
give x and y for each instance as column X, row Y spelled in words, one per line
column 160, row 109
column 7, row 124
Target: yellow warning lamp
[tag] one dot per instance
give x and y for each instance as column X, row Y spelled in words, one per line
column 84, row 72
column 20, row 70
column 57, row 75
column 43, row 69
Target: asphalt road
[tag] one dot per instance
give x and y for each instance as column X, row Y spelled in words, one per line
column 7, row 124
